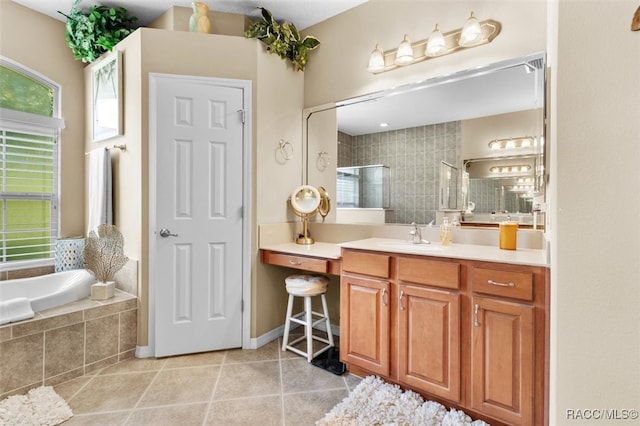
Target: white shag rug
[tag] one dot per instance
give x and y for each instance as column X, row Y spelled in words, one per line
column 42, row 406
column 375, row 402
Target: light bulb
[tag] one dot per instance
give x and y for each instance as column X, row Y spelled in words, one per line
column 471, row 32
column 376, row 60
column 404, row 55
column 435, row 43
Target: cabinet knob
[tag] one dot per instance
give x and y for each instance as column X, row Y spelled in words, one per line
column 384, row 297
column 401, row 296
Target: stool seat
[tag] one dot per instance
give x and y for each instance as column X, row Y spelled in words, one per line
column 307, row 286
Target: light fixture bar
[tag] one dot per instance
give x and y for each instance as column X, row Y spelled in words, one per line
column 490, row 30
column 511, row 143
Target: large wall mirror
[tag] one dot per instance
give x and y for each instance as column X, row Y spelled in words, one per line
column 486, row 124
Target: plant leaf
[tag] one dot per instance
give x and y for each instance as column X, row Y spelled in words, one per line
column 310, row 42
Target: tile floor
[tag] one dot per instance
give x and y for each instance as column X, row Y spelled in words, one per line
column 236, row 387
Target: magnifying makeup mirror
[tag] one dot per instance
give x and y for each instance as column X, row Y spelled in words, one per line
column 304, row 202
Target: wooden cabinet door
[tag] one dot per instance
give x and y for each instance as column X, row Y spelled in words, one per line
column 364, row 323
column 429, row 340
column 502, row 360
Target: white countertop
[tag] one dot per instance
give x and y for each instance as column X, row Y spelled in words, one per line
column 318, row 249
column 483, row 253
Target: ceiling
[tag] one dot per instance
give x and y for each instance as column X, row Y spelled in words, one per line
column 303, row 13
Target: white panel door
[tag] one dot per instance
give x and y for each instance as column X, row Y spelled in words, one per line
column 198, row 240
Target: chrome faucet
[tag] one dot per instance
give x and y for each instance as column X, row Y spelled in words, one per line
column 416, row 234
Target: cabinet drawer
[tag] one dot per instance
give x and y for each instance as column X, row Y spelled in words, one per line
column 516, row 285
column 429, row 272
column 298, row 262
column 375, row 265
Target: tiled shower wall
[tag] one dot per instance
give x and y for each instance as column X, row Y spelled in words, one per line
column 413, row 156
column 488, row 196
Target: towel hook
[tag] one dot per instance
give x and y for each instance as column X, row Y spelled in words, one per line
column 284, row 151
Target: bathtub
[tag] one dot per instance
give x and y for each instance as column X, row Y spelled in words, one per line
column 21, row 298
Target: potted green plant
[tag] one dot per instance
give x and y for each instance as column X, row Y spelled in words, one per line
column 90, row 33
column 282, row 39
column 104, row 256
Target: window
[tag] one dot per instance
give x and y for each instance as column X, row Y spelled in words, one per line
column 29, row 130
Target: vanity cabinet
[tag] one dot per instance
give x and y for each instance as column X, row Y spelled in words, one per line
column 503, row 342
column 469, row 334
column 365, row 306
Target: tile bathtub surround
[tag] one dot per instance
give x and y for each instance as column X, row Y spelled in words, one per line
column 66, row 342
column 264, row 386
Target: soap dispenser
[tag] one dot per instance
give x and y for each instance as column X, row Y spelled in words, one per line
column 446, row 236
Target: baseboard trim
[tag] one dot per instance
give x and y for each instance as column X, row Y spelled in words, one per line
column 269, row 336
column 144, row 352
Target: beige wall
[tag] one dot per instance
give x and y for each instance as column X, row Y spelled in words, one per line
column 337, row 69
column 37, row 42
column 277, row 106
column 595, row 348
column 595, row 217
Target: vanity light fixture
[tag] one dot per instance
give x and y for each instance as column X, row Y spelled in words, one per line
column 518, row 168
column 472, row 34
column 404, row 53
column 512, row 143
column 376, row 60
column 435, row 43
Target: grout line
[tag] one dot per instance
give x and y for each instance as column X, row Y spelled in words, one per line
column 213, row 391
column 145, row 392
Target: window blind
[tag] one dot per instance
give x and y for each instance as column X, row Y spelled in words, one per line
column 28, row 191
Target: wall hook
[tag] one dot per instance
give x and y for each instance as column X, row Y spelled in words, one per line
column 284, row 152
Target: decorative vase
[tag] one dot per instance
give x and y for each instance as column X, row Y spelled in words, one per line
column 199, row 21
column 69, row 254
column 103, row 291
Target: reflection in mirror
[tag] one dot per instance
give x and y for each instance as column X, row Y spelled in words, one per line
column 451, row 119
column 448, row 187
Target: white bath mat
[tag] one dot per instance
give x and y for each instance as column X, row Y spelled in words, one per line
column 42, row 406
column 374, row 402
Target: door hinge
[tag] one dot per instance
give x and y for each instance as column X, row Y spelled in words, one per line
column 241, row 212
column 242, row 115
column 242, row 305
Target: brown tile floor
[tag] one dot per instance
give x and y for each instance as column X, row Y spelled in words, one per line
column 236, row 387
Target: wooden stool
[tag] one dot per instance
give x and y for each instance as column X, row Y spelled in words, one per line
column 307, row 286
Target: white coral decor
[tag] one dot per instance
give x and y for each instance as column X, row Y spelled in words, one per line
column 104, row 252
column 374, row 402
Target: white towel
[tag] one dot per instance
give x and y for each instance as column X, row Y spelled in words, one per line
column 100, row 200
column 15, row 310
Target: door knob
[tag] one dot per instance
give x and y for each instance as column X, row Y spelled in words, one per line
column 164, row 233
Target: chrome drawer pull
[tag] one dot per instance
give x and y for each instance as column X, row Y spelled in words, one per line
column 295, row 262
column 492, row 282
column 401, row 296
column 384, row 297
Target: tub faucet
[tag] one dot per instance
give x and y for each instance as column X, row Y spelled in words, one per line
column 416, row 234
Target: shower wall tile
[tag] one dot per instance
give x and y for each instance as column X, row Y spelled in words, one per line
column 413, row 156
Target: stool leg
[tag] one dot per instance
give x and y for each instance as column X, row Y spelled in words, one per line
column 285, row 337
column 326, row 317
column 309, row 327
